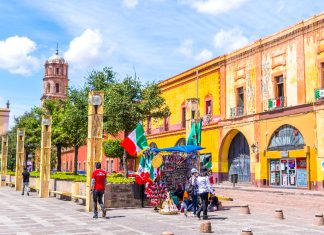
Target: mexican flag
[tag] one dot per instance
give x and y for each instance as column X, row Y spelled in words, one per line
column 146, row 172
column 135, row 141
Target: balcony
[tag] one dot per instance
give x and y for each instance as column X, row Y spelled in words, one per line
column 276, row 103
column 319, row 93
column 237, row 111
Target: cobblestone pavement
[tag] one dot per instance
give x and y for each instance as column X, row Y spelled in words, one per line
column 31, row 215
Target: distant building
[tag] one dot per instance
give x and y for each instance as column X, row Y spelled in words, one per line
column 55, row 81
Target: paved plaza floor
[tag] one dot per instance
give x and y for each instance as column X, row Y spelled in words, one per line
column 31, row 215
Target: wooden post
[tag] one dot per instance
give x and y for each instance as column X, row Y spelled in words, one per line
column 20, row 154
column 4, row 160
column 94, row 142
column 45, row 157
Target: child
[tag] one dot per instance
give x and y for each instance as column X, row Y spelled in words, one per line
column 214, row 203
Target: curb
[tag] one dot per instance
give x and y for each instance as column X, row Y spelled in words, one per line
column 278, row 192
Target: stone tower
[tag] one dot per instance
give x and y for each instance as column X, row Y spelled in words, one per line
column 55, row 81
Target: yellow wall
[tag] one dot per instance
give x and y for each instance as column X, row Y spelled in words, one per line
column 177, row 93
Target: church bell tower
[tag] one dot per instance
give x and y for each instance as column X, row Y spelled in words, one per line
column 55, row 81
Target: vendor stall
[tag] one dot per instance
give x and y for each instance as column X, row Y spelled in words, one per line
column 166, row 170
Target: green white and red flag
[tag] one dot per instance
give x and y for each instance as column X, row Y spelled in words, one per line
column 135, row 141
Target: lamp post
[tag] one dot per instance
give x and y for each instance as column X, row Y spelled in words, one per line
column 4, row 157
column 20, row 154
column 45, row 158
column 94, row 141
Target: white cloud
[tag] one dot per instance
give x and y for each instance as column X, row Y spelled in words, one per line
column 130, row 3
column 86, row 50
column 213, row 7
column 186, row 48
column 229, row 40
column 204, row 55
column 15, row 55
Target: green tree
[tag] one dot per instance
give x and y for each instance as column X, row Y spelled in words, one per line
column 112, row 149
column 129, row 102
column 75, row 121
column 59, row 139
column 31, row 121
column 12, row 142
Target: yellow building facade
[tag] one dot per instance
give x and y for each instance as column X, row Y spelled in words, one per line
column 262, row 109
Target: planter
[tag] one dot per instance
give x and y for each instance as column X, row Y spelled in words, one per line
column 121, row 195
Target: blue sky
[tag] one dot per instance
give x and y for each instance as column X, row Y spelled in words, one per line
column 156, row 38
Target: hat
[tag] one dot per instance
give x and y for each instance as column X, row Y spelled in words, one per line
column 194, row 170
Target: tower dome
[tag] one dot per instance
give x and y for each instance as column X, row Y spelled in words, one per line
column 56, row 57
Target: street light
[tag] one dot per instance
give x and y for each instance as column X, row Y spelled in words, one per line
column 254, row 148
column 21, row 134
column 46, row 122
column 95, row 101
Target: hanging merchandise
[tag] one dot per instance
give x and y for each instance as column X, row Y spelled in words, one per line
column 157, row 192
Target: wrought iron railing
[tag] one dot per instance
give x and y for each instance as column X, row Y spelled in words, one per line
column 237, row 111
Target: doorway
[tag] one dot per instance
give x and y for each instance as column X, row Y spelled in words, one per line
column 239, row 158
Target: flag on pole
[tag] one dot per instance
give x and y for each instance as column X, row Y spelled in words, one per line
column 135, row 141
column 194, row 137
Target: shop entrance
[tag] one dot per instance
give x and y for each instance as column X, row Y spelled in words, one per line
column 239, row 158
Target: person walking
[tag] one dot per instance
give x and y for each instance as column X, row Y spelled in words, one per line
column 204, row 188
column 25, row 175
column 194, row 190
column 98, row 185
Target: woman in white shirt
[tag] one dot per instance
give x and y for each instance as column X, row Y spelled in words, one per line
column 204, row 188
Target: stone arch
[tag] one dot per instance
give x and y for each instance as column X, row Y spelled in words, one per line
column 224, row 161
column 181, row 142
column 153, row 145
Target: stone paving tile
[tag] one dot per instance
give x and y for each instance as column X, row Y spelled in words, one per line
column 32, row 215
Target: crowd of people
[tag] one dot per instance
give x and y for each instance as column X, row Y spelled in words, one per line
column 198, row 195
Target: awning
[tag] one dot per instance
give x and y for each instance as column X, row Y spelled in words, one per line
column 183, row 149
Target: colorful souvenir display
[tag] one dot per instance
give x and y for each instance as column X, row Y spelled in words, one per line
column 176, row 169
column 157, row 192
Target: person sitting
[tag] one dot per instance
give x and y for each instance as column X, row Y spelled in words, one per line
column 214, row 203
column 185, row 204
column 179, row 192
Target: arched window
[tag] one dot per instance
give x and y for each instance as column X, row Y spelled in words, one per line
column 48, row 88
column 153, row 145
column 285, row 138
column 181, row 142
column 57, row 88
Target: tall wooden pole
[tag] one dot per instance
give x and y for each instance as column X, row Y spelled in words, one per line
column 4, row 159
column 20, row 154
column 94, row 142
column 45, row 158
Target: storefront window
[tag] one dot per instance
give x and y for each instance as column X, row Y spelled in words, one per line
column 288, row 172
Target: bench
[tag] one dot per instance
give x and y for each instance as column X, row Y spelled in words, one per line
column 10, row 184
column 80, row 197
column 63, row 195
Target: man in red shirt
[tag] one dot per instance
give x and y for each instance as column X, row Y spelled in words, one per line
column 98, row 184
